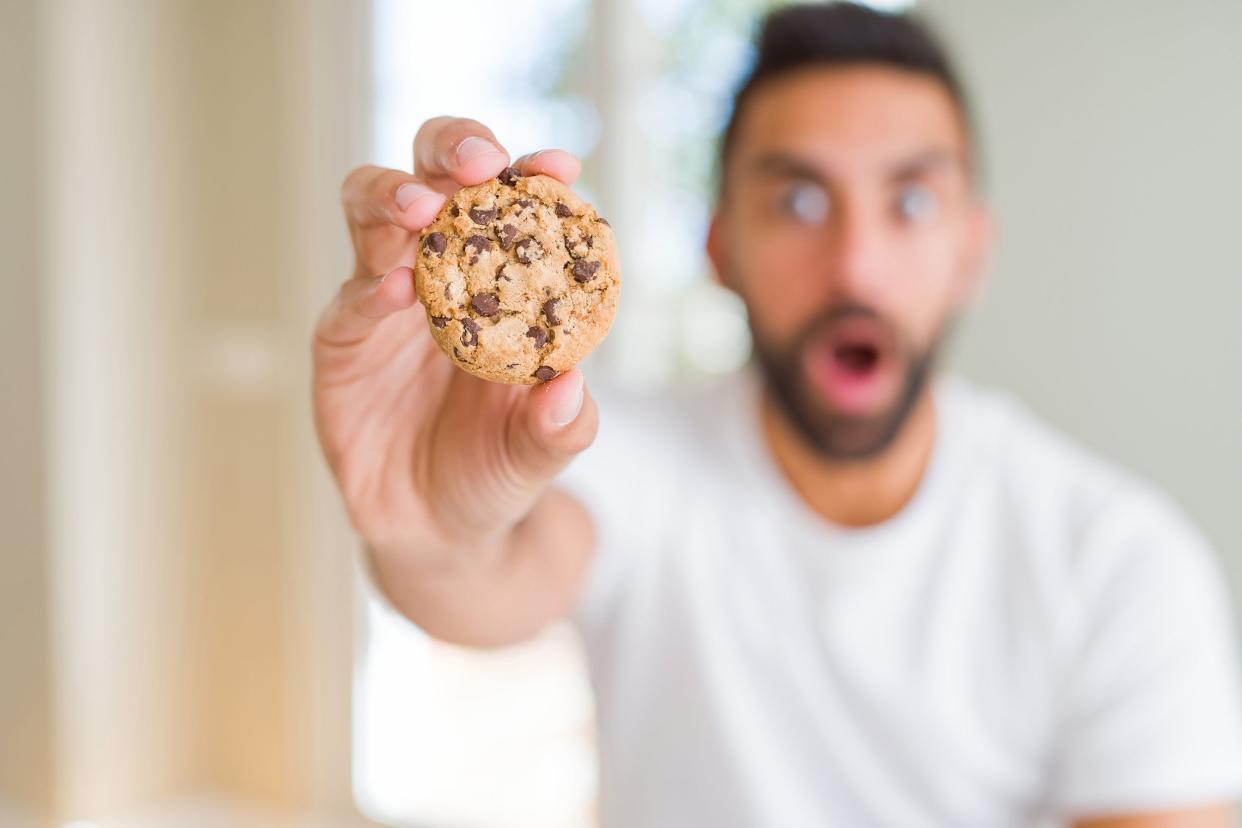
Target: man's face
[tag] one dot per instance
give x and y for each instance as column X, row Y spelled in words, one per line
column 849, row 227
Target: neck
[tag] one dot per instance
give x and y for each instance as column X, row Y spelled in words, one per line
column 856, row 492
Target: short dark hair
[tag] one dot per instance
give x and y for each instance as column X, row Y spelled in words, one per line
column 842, row 34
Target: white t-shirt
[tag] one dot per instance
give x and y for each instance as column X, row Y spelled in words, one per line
column 1036, row 635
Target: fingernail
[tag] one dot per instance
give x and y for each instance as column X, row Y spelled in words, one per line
column 407, row 194
column 473, row 147
column 564, row 412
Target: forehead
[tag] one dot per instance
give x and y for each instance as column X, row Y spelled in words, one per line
column 849, row 119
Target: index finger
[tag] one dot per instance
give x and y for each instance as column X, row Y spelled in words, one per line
column 373, row 195
column 457, row 152
column 561, row 165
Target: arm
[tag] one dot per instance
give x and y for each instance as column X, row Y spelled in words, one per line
column 1151, row 728
column 444, row 475
column 1214, row 816
column 496, row 597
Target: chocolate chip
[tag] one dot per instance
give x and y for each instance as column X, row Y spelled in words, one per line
column 544, row 373
column 509, row 175
column 454, row 211
column 500, row 274
column 590, row 241
column 507, row 234
column 439, row 321
column 585, row 271
column 481, row 217
column 538, row 334
column 523, row 251
column 480, row 244
column 605, row 222
column 549, row 312
column 523, row 202
column 436, row 242
column 456, row 352
column 485, row 304
column 470, row 332
column 563, row 210
column 575, row 248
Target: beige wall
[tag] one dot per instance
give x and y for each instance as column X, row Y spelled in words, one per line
column 114, row 234
column 25, row 690
column 175, row 588
column 1112, row 132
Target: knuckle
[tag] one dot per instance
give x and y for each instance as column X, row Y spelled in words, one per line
column 430, row 129
column 470, row 125
column 383, row 184
column 327, row 316
column 352, row 182
column 453, row 126
column 442, row 132
column 582, row 435
column 359, row 516
column 319, row 334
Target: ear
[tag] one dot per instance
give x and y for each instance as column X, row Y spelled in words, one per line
column 717, row 250
column 976, row 260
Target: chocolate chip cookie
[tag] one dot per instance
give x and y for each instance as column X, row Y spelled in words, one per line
column 520, row 278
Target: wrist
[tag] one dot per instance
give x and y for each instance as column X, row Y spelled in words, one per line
column 410, row 557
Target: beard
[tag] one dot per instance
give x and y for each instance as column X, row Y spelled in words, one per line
column 833, row 434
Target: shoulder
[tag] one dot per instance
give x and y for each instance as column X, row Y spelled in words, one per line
column 1038, row 470
column 1030, row 459
column 1131, row 606
column 1098, row 529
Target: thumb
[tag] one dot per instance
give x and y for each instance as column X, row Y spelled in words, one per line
column 558, row 420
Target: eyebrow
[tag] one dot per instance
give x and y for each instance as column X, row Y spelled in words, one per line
column 924, row 162
column 787, row 165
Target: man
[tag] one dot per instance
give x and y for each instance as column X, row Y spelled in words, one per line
column 837, row 588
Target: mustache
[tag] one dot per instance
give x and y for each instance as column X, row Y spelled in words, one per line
column 832, row 315
column 846, row 310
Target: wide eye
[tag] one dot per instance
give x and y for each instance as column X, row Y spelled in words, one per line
column 917, row 203
column 805, row 202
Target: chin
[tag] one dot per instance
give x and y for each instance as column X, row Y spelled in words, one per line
column 839, row 436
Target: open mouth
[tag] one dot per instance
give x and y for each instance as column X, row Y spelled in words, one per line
column 853, row 366
column 857, row 357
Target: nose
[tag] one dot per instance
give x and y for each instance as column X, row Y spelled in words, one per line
column 857, row 252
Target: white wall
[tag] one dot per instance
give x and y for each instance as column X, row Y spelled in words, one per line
column 1112, row 133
